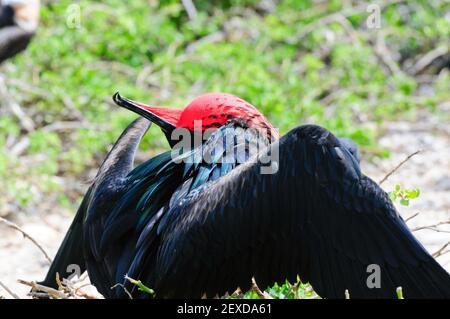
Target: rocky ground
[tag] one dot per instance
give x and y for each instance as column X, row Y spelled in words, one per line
column 429, row 171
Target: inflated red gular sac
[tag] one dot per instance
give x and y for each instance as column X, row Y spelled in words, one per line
column 189, row 230
column 207, row 111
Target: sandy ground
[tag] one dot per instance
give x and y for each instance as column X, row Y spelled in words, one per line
column 429, row 171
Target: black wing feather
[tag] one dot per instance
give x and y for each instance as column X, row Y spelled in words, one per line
column 333, row 220
column 80, row 244
column 107, row 187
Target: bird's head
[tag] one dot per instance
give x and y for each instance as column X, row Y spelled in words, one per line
column 208, row 111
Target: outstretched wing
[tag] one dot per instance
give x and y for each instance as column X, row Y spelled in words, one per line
column 318, row 216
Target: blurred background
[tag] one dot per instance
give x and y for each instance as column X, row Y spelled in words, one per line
column 375, row 71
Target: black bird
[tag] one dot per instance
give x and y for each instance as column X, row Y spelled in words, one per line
column 18, row 23
column 259, row 207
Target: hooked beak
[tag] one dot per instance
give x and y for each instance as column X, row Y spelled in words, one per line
column 165, row 118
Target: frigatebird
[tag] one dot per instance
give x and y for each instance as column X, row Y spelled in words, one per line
column 18, row 23
column 189, row 227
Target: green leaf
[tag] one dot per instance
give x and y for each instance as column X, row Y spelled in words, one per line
column 412, row 193
column 140, row 285
column 399, row 292
column 404, row 202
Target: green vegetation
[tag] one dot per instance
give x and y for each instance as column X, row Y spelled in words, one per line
column 298, row 62
column 287, row 62
column 404, row 195
column 286, row 291
column 140, row 285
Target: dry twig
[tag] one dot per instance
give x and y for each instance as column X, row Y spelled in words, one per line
column 255, row 288
column 210, row 38
column 124, row 288
column 20, row 147
column 411, row 217
column 25, row 234
column 28, row 88
column 68, row 125
column 383, row 53
column 66, row 290
column 428, row 58
column 441, row 251
column 398, row 166
column 25, row 121
column 337, row 17
column 14, row 295
column 434, row 227
column 190, row 9
column 35, row 287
